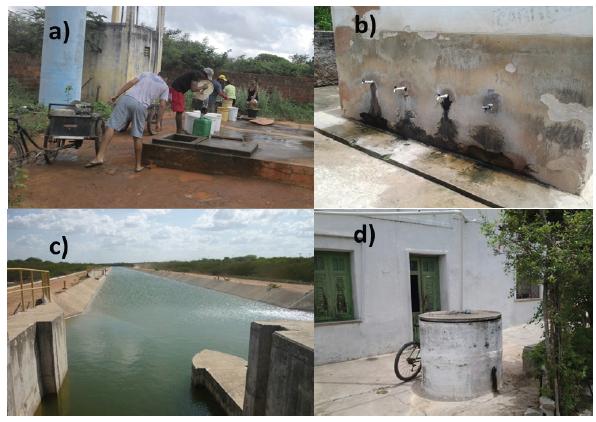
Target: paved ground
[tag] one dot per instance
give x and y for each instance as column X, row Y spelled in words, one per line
column 348, row 178
column 455, row 173
column 369, row 386
column 67, row 184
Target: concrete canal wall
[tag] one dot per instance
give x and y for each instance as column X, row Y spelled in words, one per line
column 285, row 295
column 37, row 358
column 277, row 379
column 74, row 301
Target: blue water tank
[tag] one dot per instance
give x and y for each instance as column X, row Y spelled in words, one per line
column 62, row 64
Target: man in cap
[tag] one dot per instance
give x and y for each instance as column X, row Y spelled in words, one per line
column 217, row 92
column 181, row 85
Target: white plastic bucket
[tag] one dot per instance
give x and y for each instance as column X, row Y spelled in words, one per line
column 215, row 121
column 189, row 120
column 233, row 114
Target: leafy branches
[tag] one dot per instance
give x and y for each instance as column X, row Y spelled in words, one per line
column 553, row 248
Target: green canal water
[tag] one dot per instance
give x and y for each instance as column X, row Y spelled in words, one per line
column 130, row 354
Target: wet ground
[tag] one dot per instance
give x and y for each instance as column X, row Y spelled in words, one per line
column 67, row 184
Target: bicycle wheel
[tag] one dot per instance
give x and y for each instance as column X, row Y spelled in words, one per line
column 51, row 147
column 407, row 362
column 152, row 121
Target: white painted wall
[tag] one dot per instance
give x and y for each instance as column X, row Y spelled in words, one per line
column 538, row 20
column 381, row 277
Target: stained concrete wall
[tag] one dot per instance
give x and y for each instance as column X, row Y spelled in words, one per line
column 534, row 64
column 36, row 357
column 280, row 376
column 114, row 54
column 324, row 60
column 471, row 277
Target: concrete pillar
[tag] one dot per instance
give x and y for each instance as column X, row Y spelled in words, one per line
column 290, row 389
column 161, row 14
column 62, row 63
column 116, row 12
column 257, row 376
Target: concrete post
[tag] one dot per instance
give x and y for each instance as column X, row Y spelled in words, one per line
column 257, row 376
column 161, row 14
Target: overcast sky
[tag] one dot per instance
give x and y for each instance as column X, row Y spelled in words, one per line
column 103, row 236
column 283, row 31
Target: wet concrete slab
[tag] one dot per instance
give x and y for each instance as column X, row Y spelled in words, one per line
column 465, row 176
column 348, row 178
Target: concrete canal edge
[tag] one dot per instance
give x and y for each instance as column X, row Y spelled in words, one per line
column 281, row 295
column 37, row 358
column 76, row 300
column 278, row 378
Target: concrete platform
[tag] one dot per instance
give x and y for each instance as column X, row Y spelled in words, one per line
column 348, row 178
column 258, row 164
column 470, row 178
column 224, row 376
column 369, row 386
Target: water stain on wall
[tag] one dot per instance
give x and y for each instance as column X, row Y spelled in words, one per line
column 568, row 136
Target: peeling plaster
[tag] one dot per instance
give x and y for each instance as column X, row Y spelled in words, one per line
column 561, row 112
column 510, row 68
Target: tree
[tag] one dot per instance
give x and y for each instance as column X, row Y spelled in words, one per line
column 323, row 18
column 554, row 248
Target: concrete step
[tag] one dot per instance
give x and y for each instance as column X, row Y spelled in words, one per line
column 224, row 376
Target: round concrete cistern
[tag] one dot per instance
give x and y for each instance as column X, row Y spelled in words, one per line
column 461, row 354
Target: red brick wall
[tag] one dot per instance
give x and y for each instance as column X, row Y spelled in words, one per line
column 25, row 68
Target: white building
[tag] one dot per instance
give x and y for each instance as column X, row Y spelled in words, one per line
column 367, row 299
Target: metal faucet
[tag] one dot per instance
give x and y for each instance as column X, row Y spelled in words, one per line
column 441, row 98
column 400, row 89
column 487, row 107
column 368, row 82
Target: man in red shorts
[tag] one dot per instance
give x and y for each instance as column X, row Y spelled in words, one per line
column 180, row 85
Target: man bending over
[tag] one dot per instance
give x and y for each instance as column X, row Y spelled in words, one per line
column 139, row 94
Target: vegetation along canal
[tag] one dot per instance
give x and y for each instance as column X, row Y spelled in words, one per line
column 130, row 354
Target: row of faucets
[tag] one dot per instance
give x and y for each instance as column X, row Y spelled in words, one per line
column 440, row 97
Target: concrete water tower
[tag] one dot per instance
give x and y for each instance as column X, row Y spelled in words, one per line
column 62, row 62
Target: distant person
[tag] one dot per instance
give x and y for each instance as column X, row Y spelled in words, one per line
column 139, row 94
column 252, row 98
column 181, row 85
column 217, row 92
column 230, row 91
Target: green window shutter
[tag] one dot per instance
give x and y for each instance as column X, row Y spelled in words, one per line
column 333, row 287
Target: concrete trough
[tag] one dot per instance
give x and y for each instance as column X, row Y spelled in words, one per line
column 461, row 353
column 216, row 145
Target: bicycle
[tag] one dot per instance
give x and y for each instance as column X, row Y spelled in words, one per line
column 18, row 150
column 407, row 364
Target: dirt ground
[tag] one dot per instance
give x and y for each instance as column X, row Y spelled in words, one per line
column 67, row 184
